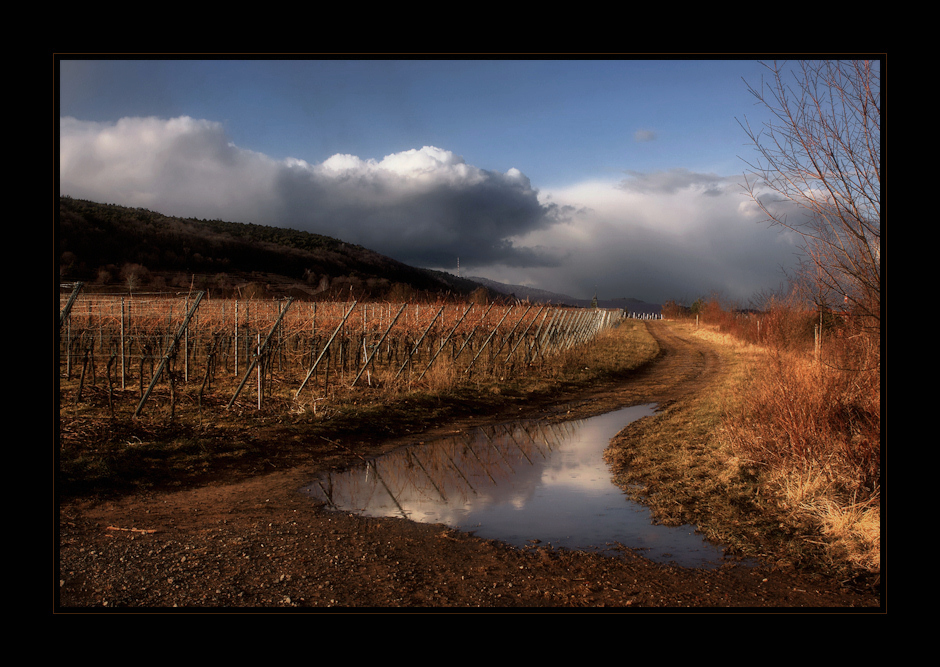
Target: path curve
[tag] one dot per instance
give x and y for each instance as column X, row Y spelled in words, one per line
column 257, row 542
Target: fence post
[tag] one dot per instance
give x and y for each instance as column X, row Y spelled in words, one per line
column 260, row 368
column 473, row 331
column 325, row 348
column 446, row 340
column 511, row 331
column 488, row 339
column 261, row 350
column 64, row 313
column 186, row 349
column 123, row 372
column 549, row 340
column 816, row 337
column 378, row 345
column 418, row 344
column 171, row 348
column 522, row 338
column 235, row 342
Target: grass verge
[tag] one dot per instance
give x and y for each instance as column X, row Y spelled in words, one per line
column 695, row 463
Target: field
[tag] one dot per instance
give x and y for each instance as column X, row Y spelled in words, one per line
column 802, row 415
column 202, row 509
column 161, row 355
column 185, row 421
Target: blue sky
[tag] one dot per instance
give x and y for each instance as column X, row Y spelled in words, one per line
column 619, row 175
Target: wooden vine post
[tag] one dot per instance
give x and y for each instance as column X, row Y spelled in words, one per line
column 508, row 336
column 171, row 349
column 378, row 345
column 325, row 349
column 261, row 350
column 64, row 313
column 489, row 338
column 418, row 344
column 446, row 340
column 523, row 336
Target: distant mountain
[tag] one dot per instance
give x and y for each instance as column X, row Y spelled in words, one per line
column 118, row 248
column 527, row 293
column 543, row 296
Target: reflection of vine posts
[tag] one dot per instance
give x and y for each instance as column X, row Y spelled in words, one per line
column 305, row 348
column 450, row 470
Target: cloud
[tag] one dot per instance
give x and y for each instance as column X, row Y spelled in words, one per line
column 651, row 235
column 181, row 166
column 675, row 180
column 424, row 206
column 657, row 236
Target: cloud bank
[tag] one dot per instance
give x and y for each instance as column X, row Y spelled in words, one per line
column 652, row 235
column 425, row 207
column 675, row 234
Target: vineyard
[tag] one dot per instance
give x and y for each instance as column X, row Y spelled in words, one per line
column 143, row 351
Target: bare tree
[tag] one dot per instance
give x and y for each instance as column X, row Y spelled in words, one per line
column 818, row 173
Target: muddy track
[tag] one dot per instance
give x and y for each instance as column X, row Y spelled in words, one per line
column 256, row 542
column 684, row 365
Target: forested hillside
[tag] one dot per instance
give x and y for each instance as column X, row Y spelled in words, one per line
column 117, row 248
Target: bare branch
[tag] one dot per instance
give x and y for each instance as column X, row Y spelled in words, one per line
column 818, row 172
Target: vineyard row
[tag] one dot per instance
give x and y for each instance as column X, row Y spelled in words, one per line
column 306, row 349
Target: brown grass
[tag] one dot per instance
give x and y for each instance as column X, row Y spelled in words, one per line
column 777, row 457
column 679, row 464
column 814, row 433
column 807, row 419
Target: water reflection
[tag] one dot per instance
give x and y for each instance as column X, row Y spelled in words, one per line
column 519, row 483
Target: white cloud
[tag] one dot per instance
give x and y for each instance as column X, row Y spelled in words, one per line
column 674, row 181
column 659, row 235
column 180, row 166
column 423, row 206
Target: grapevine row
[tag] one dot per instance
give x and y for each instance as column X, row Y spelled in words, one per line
column 305, row 350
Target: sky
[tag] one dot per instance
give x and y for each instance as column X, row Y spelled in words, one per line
column 617, row 177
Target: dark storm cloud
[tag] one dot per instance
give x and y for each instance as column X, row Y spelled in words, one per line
column 654, row 236
column 425, row 207
column 422, row 217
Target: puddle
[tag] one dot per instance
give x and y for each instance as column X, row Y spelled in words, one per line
column 523, row 483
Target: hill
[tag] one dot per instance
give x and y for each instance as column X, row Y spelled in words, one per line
column 118, row 248
column 542, row 296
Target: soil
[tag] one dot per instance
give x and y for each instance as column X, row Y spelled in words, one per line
column 248, row 539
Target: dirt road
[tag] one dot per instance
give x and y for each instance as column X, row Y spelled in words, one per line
column 253, row 541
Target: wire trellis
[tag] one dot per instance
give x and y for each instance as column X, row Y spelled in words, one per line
column 302, row 350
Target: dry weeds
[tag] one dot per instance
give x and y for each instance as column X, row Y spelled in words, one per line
column 777, row 457
column 812, row 433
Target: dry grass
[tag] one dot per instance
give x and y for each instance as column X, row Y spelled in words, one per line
column 678, row 463
column 624, row 347
column 853, row 531
column 810, row 427
column 777, row 457
column 100, row 448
